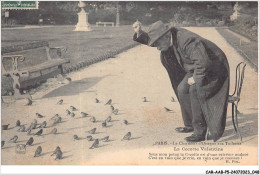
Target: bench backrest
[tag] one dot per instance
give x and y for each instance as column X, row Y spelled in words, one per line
column 34, row 54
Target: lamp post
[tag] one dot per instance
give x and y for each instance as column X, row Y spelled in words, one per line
column 82, row 24
column 117, row 15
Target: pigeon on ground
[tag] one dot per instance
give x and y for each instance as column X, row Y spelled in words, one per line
column 58, row 153
column 39, row 115
column 127, row 136
column 97, row 100
column 93, row 119
column 43, row 125
column 30, row 141
column 18, row 123
column 73, row 108
column 21, row 129
column 72, row 114
column 95, row 144
column 105, row 139
column 112, row 108
column 29, row 102
column 83, row 114
column 60, row 102
column 109, row 118
column 13, row 139
column 109, row 102
column 125, row 122
column 39, row 132
column 89, row 138
column 172, row 100
column 115, row 111
column 92, row 131
column 75, row 137
column 54, row 131
column 145, row 100
column 2, row 143
column 5, row 127
column 29, row 132
column 104, row 124
column 167, row 109
column 68, row 112
column 55, row 151
column 38, row 151
column 32, row 126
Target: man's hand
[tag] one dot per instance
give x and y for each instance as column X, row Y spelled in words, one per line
column 137, row 27
column 191, row 81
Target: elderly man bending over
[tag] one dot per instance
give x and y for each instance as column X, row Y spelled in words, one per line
column 199, row 74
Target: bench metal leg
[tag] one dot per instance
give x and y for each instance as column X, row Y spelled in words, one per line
column 16, row 87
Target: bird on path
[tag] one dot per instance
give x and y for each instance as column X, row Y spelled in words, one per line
column 115, row 111
column 109, row 118
column 58, row 153
column 97, row 100
column 92, row 131
column 95, row 144
column 38, row 151
column 30, row 141
column 5, row 127
column 73, row 108
column 18, row 123
column 93, row 119
column 127, row 136
column 39, row 115
column 72, row 114
column 105, row 139
column 167, row 109
column 55, row 151
column 75, row 137
column 108, row 102
column 84, row 114
column 54, row 131
column 104, row 124
column 2, row 143
column 125, row 122
column 29, row 102
column 89, row 138
column 145, row 100
column 13, row 139
column 39, row 132
column 32, row 126
column 112, row 108
column 21, row 129
column 60, row 102
column 29, row 132
column 68, row 112
column 43, row 125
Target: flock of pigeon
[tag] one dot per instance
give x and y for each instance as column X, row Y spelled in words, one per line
column 58, row 119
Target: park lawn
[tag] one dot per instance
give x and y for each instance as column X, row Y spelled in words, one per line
column 250, row 49
column 80, row 45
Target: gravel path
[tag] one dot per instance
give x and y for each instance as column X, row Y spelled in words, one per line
column 125, row 79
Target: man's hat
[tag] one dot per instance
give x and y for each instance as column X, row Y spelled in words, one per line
column 156, row 31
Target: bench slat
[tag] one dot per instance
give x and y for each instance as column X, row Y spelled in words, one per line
column 46, row 65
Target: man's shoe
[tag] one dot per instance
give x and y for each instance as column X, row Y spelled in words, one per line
column 195, row 138
column 184, row 129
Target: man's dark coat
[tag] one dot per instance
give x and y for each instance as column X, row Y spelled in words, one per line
column 209, row 67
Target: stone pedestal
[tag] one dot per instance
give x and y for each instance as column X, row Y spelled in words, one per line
column 83, row 24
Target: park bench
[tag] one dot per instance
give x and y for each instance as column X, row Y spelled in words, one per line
column 105, row 23
column 30, row 64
